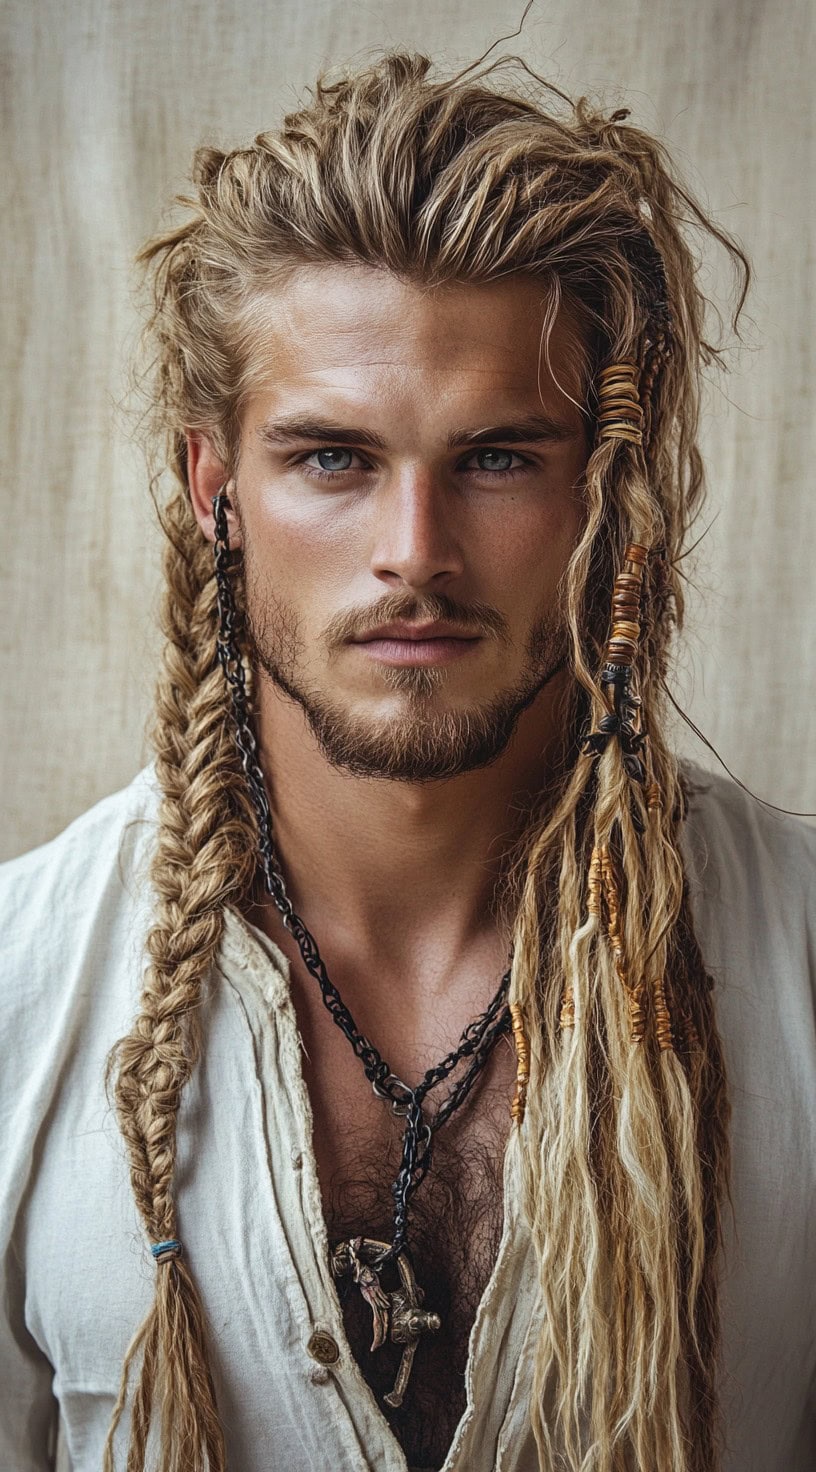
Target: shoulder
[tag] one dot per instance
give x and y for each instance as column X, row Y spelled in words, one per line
column 745, row 853
column 65, row 906
column 101, row 848
column 751, row 874
column 74, row 915
column 91, row 836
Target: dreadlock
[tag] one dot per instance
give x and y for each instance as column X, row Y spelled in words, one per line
column 625, row 1146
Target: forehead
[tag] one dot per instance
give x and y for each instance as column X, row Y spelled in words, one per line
column 367, row 337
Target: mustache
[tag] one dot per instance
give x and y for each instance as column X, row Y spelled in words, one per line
column 473, row 618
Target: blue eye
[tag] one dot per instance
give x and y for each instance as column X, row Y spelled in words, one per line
column 333, row 462
column 488, row 459
column 330, row 459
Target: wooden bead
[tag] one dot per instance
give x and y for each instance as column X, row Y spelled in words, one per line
column 626, row 631
column 620, row 652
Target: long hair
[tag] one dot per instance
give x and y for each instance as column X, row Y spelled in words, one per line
column 625, row 1144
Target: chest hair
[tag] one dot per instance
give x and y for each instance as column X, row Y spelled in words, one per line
column 456, row 1219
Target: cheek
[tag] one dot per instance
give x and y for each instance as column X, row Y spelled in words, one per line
column 528, row 550
column 307, row 559
column 301, row 527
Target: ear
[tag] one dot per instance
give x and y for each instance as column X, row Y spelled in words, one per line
column 206, row 476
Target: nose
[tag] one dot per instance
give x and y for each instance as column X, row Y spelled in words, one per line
column 416, row 544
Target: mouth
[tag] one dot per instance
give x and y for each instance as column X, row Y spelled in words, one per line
column 427, row 649
column 418, row 645
column 417, row 651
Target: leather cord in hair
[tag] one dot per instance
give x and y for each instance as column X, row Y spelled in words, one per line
column 621, row 720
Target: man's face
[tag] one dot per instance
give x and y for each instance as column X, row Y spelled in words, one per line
column 408, row 458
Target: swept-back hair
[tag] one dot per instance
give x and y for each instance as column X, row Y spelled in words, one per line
column 625, row 1144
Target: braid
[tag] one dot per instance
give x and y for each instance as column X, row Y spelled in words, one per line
column 204, row 860
column 628, row 1109
column 624, row 1148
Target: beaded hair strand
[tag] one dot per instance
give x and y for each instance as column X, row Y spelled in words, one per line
column 620, row 869
column 623, row 1143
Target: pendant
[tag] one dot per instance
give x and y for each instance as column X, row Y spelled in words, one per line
column 400, row 1311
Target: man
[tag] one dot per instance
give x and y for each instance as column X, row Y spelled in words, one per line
column 427, row 362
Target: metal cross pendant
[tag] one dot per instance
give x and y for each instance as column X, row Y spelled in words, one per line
column 400, row 1311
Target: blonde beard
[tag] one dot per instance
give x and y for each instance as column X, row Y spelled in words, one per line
column 419, row 744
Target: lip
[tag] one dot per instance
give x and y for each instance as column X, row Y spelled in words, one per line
column 416, row 633
column 435, row 649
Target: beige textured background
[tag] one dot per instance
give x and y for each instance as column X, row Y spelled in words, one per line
column 103, row 104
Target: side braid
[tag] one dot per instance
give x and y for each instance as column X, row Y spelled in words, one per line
column 204, row 860
column 624, row 1144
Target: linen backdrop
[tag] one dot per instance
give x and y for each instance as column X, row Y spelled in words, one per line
column 103, row 105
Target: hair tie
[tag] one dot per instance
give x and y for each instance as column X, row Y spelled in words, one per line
column 166, row 1251
column 620, row 416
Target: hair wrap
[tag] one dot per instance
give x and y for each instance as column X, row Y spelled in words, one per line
column 624, row 1151
column 166, row 1251
column 519, row 1103
column 622, row 648
column 620, row 416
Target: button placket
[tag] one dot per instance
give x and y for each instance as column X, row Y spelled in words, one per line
column 366, row 1423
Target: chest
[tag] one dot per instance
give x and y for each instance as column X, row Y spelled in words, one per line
column 455, row 1215
column 455, row 1225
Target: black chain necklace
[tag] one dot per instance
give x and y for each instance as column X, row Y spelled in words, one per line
column 364, row 1257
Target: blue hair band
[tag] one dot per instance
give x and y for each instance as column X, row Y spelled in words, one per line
column 162, row 1251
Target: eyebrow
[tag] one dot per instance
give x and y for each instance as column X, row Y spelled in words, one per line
column 532, row 429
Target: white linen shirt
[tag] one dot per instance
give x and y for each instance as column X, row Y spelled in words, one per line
column 77, row 1272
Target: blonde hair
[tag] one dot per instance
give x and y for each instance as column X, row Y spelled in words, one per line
column 625, row 1143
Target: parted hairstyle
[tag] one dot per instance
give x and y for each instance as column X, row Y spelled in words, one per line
column 625, row 1142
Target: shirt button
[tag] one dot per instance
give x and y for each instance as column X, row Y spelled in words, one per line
column 323, row 1348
